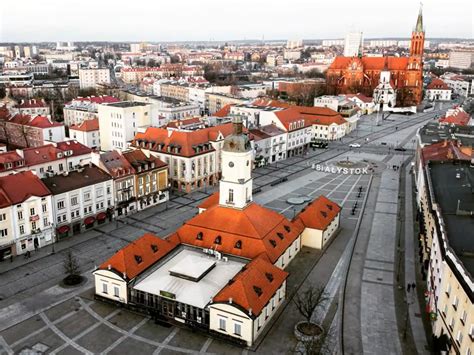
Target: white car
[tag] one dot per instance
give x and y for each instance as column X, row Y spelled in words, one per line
column 354, row 145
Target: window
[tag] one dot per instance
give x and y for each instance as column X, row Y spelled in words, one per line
column 231, row 195
column 60, row 205
column 33, row 225
column 222, row 324
column 20, row 215
column 45, row 221
column 238, row 329
column 44, row 208
column 3, row 216
column 22, row 229
column 32, row 211
column 3, row 232
column 116, row 291
column 87, row 196
column 104, row 288
column 99, row 192
column 74, row 201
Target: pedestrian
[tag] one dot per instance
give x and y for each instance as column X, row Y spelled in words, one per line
column 408, row 287
column 413, row 285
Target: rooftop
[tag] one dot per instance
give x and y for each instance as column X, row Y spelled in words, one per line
column 17, row 188
column 456, row 198
column 204, row 276
column 126, row 104
column 86, row 176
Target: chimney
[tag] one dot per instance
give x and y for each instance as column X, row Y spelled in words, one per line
column 109, row 267
column 230, row 300
column 250, row 311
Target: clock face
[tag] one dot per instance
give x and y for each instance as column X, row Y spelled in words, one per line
column 231, row 164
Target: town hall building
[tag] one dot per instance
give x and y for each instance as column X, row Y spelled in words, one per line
column 222, row 271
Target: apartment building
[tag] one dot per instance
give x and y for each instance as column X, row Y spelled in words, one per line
column 84, row 108
column 90, row 77
column 86, row 133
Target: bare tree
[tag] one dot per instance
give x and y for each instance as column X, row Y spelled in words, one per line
column 71, row 265
column 314, row 345
column 307, row 301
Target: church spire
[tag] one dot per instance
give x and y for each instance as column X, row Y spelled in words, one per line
column 419, row 21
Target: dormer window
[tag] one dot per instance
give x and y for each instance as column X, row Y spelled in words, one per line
column 199, row 236
column 280, row 235
column 329, row 207
column 269, row 276
column 273, row 243
column 287, row 228
column 324, row 214
column 218, row 240
column 238, row 245
column 154, row 248
column 138, row 259
column 258, row 290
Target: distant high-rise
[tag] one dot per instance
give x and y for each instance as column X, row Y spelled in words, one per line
column 297, row 43
column 353, row 44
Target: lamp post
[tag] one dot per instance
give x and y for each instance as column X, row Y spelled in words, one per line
column 205, row 183
column 53, row 237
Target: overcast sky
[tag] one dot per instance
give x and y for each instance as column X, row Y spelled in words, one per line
column 180, row 20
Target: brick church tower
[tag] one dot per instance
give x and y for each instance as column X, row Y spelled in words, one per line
column 414, row 86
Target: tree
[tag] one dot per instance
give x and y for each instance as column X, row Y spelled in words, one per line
column 314, row 73
column 308, row 300
column 71, row 269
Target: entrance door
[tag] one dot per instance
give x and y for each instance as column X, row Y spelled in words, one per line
column 36, row 243
column 76, row 229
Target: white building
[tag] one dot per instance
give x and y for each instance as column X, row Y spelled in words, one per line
column 89, row 78
column 385, row 96
column 353, row 44
column 270, row 144
column 25, row 214
column 86, row 133
column 438, row 90
column 461, row 59
column 119, row 122
column 84, row 108
column 81, row 199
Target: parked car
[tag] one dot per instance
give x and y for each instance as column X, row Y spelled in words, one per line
column 354, row 145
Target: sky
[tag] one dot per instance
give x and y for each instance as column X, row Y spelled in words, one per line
column 203, row 20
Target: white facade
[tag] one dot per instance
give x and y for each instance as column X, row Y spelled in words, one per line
column 236, row 183
column 438, row 94
column 119, row 122
column 353, row 44
column 89, row 78
column 461, row 59
column 384, row 93
column 90, row 139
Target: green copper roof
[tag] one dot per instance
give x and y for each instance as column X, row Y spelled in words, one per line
column 419, row 21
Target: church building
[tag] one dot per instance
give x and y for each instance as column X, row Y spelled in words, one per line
column 352, row 75
column 222, row 271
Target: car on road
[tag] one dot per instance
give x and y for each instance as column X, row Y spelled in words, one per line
column 400, row 149
column 354, row 145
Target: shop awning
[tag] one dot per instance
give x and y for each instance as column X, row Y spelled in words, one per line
column 101, row 216
column 63, row 229
column 89, row 220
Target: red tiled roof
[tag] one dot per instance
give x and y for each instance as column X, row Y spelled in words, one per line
column 37, row 121
column 254, row 286
column 361, row 97
column 9, row 157
column 457, row 117
column 137, row 156
column 103, row 99
column 86, row 126
column 76, row 147
column 209, row 202
column 16, row 188
column 318, row 214
column 437, row 84
column 116, row 164
column 258, row 229
column 224, row 112
column 185, row 122
column 445, row 150
column 372, row 63
column 147, row 249
column 270, row 103
column 311, row 115
column 33, row 103
column 44, row 154
column 185, row 140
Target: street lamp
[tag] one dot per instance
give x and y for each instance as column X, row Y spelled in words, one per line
column 205, row 184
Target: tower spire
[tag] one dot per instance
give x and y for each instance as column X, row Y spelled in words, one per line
column 419, row 21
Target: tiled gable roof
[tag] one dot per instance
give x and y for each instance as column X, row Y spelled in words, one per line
column 86, row 126
column 139, row 255
column 318, row 214
column 17, row 188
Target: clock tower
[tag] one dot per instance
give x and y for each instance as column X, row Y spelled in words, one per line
column 235, row 187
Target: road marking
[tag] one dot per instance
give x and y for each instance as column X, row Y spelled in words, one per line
column 350, row 191
column 206, row 345
column 121, row 339
column 59, row 320
column 63, row 336
column 133, row 336
column 5, row 347
column 166, row 341
column 340, row 184
column 84, row 332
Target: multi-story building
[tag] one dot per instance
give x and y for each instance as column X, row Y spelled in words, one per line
column 84, row 108
column 216, row 101
column 461, row 85
column 120, row 121
column 353, row 44
column 270, row 144
column 151, row 178
column 438, row 90
column 26, row 214
column 90, row 77
column 30, row 131
column 33, row 107
column 193, row 157
column 461, row 59
column 123, row 174
column 81, row 199
column 445, row 203
column 86, row 133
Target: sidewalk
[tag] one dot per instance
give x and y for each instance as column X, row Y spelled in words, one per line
column 416, row 323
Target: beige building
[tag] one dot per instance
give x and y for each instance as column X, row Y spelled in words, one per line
column 89, row 78
column 216, row 101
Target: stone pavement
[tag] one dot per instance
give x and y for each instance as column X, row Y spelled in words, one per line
column 416, row 323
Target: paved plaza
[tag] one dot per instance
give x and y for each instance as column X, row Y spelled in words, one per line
column 38, row 316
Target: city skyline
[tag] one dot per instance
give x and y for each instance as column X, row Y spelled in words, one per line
column 152, row 22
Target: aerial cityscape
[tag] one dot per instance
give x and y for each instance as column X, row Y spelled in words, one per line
column 237, row 178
